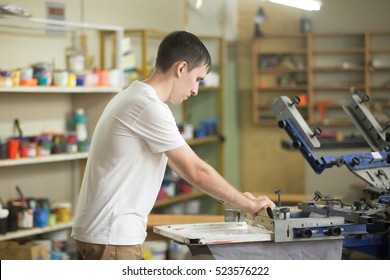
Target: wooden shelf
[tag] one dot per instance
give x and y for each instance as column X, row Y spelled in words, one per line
column 339, row 69
column 344, row 88
column 286, row 52
column 205, row 140
column 325, row 55
column 77, row 156
column 283, row 88
column 178, row 199
column 207, row 88
column 384, row 50
column 284, row 36
column 34, row 231
column 277, row 70
column 340, row 51
column 48, row 89
column 288, row 198
column 380, row 69
column 40, row 160
column 338, row 34
column 380, row 87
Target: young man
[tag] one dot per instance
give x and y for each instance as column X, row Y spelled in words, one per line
column 134, row 139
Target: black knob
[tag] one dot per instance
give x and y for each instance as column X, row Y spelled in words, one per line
column 282, row 124
column 318, row 195
column 339, row 162
column 305, row 233
column 380, row 173
column 296, row 100
column 297, row 144
column 285, row 210
column 388, row 158
column 317, row 131
column 355, row 161
column 333, row 231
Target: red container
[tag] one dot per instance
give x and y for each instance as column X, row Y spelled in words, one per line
column 13, row 148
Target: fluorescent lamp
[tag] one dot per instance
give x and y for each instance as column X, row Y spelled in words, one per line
column 198, row 4
column 309, row 5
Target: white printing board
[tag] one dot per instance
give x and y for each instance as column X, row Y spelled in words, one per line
column 214, row 233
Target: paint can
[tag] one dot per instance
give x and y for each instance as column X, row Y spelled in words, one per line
column 61, row 78
column 15, row 76
column 40, row 217
column 72, row 80
column 115, row 78
column 5, row 79
column 3, row 149
column 63, row 211
column 12, row 224
column 3, row 220
column 13, row 148
column 25, row 218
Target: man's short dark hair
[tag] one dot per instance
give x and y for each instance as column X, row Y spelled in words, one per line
column 182, row 45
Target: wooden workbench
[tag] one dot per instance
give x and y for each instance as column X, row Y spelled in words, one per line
column 287, row 199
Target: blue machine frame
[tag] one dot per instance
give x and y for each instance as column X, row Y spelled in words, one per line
column 370, row 217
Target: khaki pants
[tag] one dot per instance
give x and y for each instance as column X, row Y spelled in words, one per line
column 90, row 251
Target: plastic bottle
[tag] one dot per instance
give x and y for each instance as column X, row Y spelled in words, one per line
column 80, row 126
column 75, row 56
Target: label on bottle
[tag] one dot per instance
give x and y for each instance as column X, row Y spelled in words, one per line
column 76, row 63
column 81, row 130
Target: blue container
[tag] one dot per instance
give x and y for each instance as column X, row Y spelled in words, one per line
column 41, row 217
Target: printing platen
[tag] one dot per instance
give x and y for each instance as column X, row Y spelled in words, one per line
column 214, row 233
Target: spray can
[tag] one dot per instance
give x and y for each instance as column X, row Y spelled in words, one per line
column 80, row 125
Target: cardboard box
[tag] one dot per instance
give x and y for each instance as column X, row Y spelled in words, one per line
column 28, row 251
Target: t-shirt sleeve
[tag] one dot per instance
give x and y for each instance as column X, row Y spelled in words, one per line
column 157, row 126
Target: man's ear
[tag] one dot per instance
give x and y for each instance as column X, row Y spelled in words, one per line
column 181, row 67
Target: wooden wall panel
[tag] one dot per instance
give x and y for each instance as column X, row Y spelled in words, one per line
column 265, row 166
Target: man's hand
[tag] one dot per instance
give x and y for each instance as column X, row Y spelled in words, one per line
column 261, row 202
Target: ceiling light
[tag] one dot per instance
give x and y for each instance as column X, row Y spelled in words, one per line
column 309, row 5
column 198, row 4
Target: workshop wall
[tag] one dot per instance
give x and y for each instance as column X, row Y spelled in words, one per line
column 215, row 18
column 265, row 166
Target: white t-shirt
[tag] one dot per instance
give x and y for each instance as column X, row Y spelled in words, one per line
column 125, row 167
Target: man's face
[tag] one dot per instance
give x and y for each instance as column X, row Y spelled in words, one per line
column 188, row 84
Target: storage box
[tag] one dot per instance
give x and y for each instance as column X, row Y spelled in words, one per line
column 28, row 251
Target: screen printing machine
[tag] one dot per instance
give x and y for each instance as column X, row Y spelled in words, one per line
column 319, row 228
